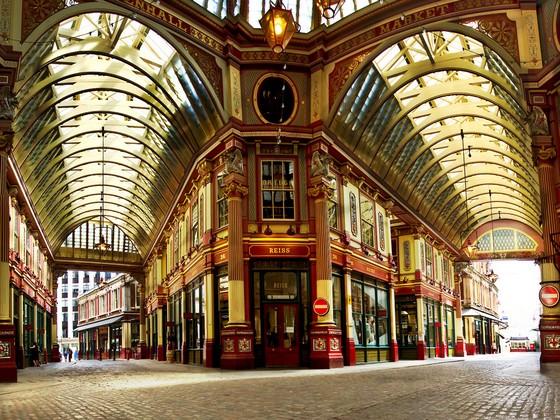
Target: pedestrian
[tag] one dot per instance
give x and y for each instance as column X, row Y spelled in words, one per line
column 65, row 354
column 69, row 354
column 76, row 354
column 35, row 354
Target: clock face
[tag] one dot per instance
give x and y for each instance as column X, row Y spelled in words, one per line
column 275, row 99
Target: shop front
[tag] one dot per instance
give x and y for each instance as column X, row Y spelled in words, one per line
column 281, row 312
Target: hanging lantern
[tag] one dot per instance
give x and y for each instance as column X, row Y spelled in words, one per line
column 469, row 249
column 102, row 246
column 278, row 26
column 329, row 8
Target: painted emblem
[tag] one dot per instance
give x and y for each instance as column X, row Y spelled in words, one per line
column 319, row 344
column 228, row 345
column 244, row 345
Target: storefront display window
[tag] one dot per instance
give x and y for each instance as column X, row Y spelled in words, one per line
column 195, row 321
column 370, row 317
column 431, row 327
column 337, row 297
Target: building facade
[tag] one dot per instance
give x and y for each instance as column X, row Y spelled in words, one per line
column 71, row 285
column 297, row 204
column 108, row 319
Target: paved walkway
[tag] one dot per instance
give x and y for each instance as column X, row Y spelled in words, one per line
column 504, row 386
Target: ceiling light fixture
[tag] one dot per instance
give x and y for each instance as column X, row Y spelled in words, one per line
column 469, row 248
column 102, row 246
column 278, row 26
column 329, row 8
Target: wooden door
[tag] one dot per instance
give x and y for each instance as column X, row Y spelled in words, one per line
column 282, row 335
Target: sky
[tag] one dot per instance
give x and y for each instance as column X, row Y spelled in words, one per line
column 518, row 295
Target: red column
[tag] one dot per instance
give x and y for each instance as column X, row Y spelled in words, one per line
column 549, row 325
column 326, row 337
column 238, row 338
column 141, row 351
column 8, row 368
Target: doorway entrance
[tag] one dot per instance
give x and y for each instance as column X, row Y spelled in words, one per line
column 281, row 335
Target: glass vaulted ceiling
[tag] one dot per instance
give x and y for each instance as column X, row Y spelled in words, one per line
column 106, row 71
column 437, row 117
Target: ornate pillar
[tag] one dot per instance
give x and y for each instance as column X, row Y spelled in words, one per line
column 460, row 349
column 184, row 348
column 326, row 338
column 210, row 304
column 421, row 340
column 394, row 345
column 350, row 348
column 238, row 338
column 8, row 369
column 544, row 154
column 142, row 349
column 56, row 356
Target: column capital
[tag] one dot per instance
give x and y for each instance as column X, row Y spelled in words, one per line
column 235, row 186
column 543, row 153
column 321, row 188
column 6, row 142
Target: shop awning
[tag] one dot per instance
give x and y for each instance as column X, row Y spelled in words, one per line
column 476, row 312
column 99, row 323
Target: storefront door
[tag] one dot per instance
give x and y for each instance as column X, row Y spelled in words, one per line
column 281, row 340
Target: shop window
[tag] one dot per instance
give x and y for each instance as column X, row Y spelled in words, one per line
column 367, row 215
column 195, row 314
column 175, row 315
column 407, row 325
column 223, row 298
column 370, row 314
column 221, row 201
column 337, row 297
column 277, row 189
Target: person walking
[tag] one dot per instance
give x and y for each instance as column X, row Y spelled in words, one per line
column 35, row 354
column 69, row 354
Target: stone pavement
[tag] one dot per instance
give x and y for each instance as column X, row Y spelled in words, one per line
column 503, row 386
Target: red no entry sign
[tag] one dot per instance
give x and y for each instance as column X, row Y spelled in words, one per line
column 321, row 306
column 549, row 295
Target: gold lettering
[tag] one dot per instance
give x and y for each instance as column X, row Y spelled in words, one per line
column 385, row 28
column 418, row 16
column 278, row 250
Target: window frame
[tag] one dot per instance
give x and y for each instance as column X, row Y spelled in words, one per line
column 286, row 187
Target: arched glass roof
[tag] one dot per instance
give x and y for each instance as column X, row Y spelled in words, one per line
column 102, row 71
column 438, row 116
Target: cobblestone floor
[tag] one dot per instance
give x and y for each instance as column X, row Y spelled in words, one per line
column 504, row 386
